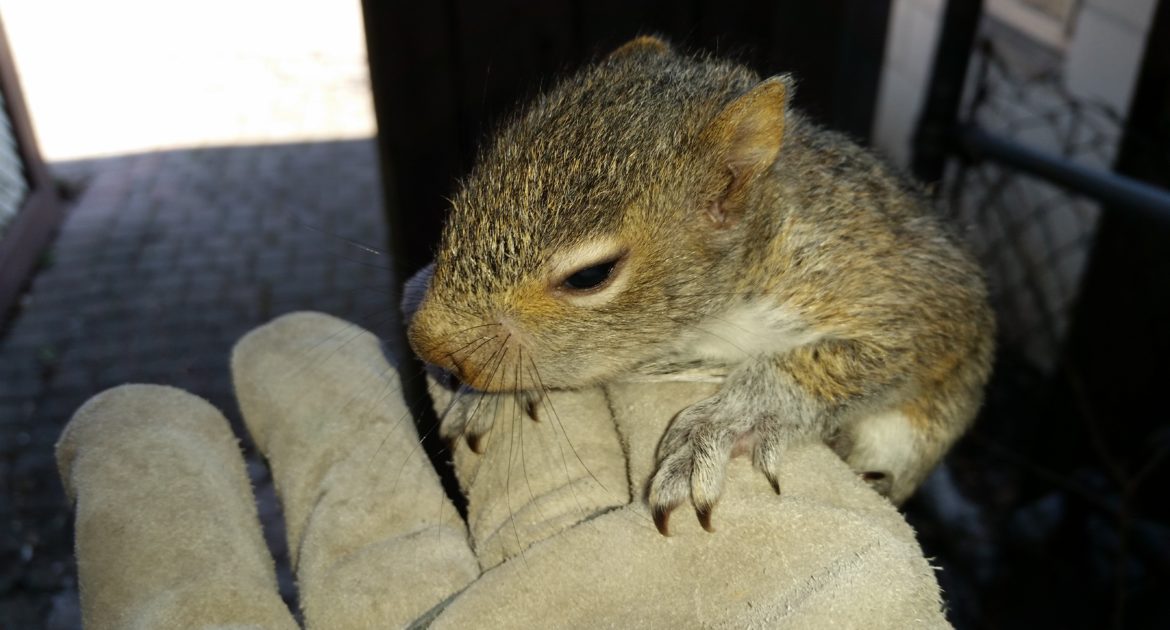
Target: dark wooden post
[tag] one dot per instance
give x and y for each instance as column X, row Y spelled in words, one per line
column 935, row 135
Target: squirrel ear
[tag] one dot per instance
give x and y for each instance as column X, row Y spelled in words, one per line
column 646, row 44
column 746, row 138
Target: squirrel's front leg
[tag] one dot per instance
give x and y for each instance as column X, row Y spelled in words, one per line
column 765, row 406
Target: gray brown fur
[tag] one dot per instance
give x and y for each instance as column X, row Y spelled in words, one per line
column 641, row 149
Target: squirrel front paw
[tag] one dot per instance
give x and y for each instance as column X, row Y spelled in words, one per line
column 469, row 417
column 471, row 414
column 693, row 455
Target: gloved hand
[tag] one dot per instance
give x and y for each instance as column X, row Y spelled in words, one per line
column 557, row 532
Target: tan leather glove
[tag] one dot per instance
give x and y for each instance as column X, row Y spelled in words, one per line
column 557, row 533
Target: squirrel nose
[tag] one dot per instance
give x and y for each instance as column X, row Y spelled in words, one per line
column 455, row 352
column 487, row 354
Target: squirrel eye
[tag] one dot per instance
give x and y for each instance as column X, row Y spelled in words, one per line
column 590, row 277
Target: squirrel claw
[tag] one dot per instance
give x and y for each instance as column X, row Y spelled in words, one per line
column 662, row 520
column 531, row 405
column 775, row 483
column 475, row 443
column 879, row 480
column 469, row 419
column 704, row 514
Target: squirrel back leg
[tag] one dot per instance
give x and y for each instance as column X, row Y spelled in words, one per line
column 895, row 449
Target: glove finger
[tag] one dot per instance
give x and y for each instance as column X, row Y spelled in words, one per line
column 167, row 533
column 374, row 539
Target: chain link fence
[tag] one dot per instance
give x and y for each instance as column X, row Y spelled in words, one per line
column 1032, row 238
column 13, row 184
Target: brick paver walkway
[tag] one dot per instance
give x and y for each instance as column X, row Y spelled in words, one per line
column 227, row 204
column 165, row 260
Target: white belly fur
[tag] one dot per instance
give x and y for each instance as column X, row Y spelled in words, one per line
column 755, row 329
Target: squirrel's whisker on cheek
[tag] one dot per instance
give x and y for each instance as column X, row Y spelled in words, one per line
column 451, row 354
column 436, row 345
column 473, row 437
column 457, row 361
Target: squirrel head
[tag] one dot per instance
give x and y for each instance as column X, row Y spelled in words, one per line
column 593, row 229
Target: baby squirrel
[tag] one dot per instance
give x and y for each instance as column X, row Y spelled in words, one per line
column 659, row 209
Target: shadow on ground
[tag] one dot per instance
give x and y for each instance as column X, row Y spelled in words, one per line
column 164, row 260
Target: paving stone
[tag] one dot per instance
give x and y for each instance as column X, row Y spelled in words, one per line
column 162, row 264
column 18, row 383
column 95, row 349
column 52, row 412
column 14, row 411
column 74, row 376
column 114, row 374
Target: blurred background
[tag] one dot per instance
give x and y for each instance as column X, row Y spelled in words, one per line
column 173, row 174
